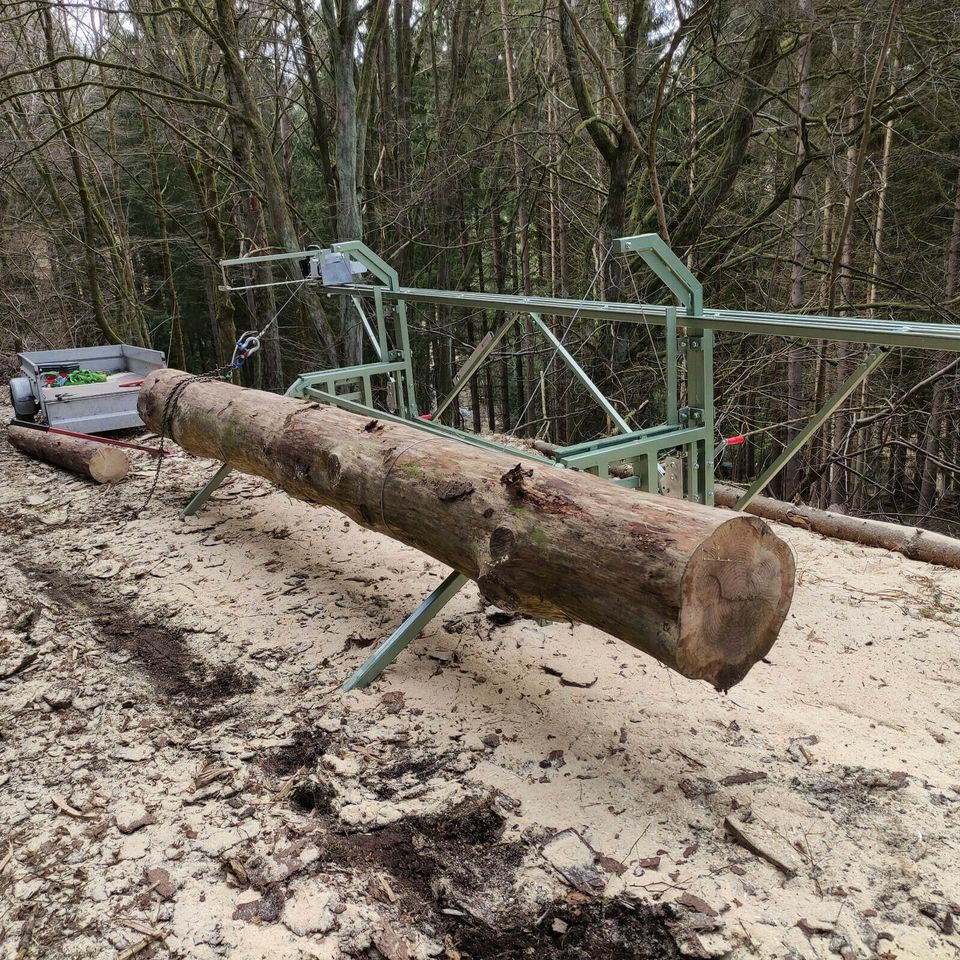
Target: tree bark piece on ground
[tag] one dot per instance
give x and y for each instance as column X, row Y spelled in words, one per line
column 99, row 462
column 913, row 542
column 704, row 593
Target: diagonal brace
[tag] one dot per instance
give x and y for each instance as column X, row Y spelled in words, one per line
column 870, row 363
column 581, row 375
column 406, row 633
column 473, row 363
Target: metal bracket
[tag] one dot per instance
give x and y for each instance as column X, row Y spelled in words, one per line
column 691, row 416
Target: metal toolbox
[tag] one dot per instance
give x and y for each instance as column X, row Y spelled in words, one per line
column 87, row 408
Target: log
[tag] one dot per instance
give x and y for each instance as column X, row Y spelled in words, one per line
column 703, row 592
column 913, row 542
column 101, row 463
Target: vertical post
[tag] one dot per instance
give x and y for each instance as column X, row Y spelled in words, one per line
column 381, row 323
column 672, row 360
column 698, row 355
column 403, row 336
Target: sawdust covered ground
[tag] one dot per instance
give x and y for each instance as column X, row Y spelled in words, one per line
column 181, row 778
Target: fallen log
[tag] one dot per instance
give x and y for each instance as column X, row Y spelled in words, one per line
column 703, row 592
column 101, row 463
column 913, row 542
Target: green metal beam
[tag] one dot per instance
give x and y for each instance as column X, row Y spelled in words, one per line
column 864, row 330
column 667, row 266
column 870, row 363
column 425, row 426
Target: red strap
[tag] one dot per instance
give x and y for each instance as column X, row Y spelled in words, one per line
column 735, row 441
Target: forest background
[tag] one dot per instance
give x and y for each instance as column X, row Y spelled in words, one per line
column 799, row 155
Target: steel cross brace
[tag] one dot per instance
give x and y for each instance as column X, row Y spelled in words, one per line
column 870, row 363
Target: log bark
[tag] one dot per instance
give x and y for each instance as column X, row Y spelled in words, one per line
column 703, row 592
column 87, row 457
column 913, row 542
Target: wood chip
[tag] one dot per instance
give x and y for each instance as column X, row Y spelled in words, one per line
column 209, row 775
column 744, row 776
column 287, row 786
column 140, row 927
column 764, row 843
column 387, row 889
column 65, row 807
column 6, row 672
column 698, row 904
column 611, row 865
column 138, row 947
column 7, row 857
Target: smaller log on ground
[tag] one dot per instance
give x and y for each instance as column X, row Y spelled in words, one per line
column 913, row 542
column 99, row 462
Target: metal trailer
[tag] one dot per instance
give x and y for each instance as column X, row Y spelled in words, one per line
column 685, row 440
column 86, row 408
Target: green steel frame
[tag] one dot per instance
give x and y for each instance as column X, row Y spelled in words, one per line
column 689, row 331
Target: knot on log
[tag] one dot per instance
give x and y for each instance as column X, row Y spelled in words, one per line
column 514, row 476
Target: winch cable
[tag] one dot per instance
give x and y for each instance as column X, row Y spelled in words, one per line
column 246, row 346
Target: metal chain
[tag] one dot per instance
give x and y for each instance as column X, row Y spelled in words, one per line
column 247, row 345
column 166, row 419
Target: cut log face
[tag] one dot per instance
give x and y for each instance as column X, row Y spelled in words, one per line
column 704, row 593
column 101, row 463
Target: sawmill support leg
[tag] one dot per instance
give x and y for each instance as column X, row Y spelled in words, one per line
column 870, row 363
column 202, row 496
column 406, row 633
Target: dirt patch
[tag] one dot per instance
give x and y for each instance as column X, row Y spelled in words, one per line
column 457, row 871
column 307, row 748
column 616, row 929
column 158, row 651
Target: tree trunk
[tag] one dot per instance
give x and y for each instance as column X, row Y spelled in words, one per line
column 101, row 463
column 912, row 542
column 523, row 221
column 801, row 255
column 703, row 593
column 934, row 433
column 88, row 228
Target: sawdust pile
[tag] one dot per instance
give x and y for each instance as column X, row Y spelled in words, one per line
column 181, row 777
